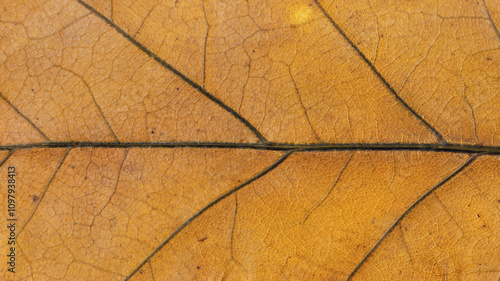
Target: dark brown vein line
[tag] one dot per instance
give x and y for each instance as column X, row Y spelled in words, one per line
column 397, row 222
column 24, row 117
column 94, row 100
column 303, row 107
column 163, row 63
column 114, row 189
column 45, row 190
column 450, row 148
column 231, row 237
column 151, row 270
column 204, row 209
column 379, row 75
column 111, row 10
column 329, row 190
column 9, row 154
column 491, row 20
column 205, row 45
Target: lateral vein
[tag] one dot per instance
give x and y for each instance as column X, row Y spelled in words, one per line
column 204, row 209
column 163, row 63
column 413, row 206
column 379, row 75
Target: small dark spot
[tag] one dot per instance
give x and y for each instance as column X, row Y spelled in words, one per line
column 147, row 196
column 152, row 132
column 72, row 166
column 197, row 267
column 141, row 272
column 373, row 221
column 253, row 51
column 499, row 201
column 112, row 221
column 310, row 5
column 488, row 58
column 32, row 90
column 85, row 178
column 484, row 225
column 177, row 89
column 35, row 198
column 478, row 216
column 202, row 239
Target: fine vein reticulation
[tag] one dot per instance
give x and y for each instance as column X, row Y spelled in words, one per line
column 42, row 196
column 397, row 222
column 231, row 110
column 163, row 63
column 379, row 75
column 491, row 20
column 204, row 209
column 24, row 117
column 263, row 145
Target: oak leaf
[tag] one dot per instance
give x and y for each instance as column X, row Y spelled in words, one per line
column 251, row 140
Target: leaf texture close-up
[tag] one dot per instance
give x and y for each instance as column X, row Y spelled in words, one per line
column 250, row 140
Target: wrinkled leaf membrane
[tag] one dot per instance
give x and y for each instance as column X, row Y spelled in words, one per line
column 251, row 140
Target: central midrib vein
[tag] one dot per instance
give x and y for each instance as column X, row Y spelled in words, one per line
column 453, row 148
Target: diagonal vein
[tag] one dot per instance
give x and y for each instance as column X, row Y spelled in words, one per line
column 24, row 117
column 379, row 75
column 398, row 221
column 204, row 209
column 331, row 188
column 163, row 63
column 114, row 189
column 87, row 86
column 491, row 20
column 45, row 190
column 6, row 157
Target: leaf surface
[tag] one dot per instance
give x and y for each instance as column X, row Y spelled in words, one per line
column 251, row 140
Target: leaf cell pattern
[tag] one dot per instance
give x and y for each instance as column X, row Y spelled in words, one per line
column 252, row 140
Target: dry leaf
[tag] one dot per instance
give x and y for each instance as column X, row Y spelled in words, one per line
column 250, row 140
